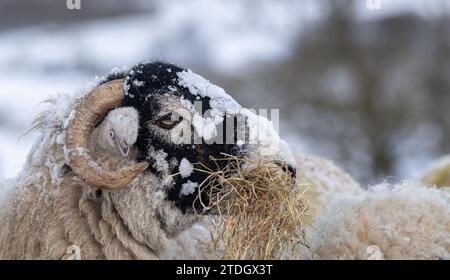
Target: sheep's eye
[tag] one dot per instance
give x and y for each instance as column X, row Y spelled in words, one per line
column 169, row 121
column 112, row 134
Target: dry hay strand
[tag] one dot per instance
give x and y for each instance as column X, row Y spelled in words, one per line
column 258, row 214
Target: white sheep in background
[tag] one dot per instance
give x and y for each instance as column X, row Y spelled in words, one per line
column 320, row 180
column 406, row 221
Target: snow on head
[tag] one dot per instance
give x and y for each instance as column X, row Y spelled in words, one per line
column 263, row 134
column 261, row 130
column 119, row 70
column 138, row 83
column 198, row 85
column 221, row 103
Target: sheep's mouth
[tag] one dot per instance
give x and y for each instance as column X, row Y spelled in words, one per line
column 210, row 179
column 178, row 223
column 222, row 185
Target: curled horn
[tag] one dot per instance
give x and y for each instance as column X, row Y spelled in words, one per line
column 88, row 112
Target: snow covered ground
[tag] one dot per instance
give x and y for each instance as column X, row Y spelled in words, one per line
column 225, row 36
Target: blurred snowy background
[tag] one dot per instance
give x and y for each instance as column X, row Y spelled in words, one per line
column 368, row 88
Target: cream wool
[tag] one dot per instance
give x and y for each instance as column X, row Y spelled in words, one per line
column 406, row 221
column 322, row 180
column 52, row 208
column 47, row 208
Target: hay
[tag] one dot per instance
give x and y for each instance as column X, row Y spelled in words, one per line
column 258, row 213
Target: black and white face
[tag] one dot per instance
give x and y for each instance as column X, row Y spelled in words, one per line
column 169, row 137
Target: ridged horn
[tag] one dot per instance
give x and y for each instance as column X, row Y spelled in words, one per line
column 90, row 110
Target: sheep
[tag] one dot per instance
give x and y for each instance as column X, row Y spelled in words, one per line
column 86, row 194
column 78, row 198
column 48, row 205
column 404, row 221
column 439, row 173
column 349, row 222
column 322, row 181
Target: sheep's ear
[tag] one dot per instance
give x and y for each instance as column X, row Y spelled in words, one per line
column 88, row 112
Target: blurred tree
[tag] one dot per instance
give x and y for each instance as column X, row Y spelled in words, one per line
column 370, row 95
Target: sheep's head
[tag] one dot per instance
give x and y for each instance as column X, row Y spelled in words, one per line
column 186, row 126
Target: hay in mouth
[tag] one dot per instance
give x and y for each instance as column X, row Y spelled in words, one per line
column 258, row 213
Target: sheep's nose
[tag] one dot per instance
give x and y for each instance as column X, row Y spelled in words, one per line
column 291, row 169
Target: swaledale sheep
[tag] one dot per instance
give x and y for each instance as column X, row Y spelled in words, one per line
column 406, row 221
column 439, row 173
column 89, row 192
column 116, row 171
